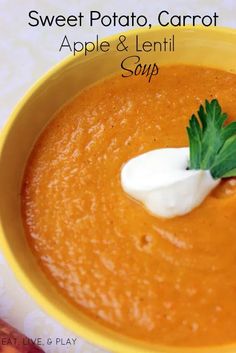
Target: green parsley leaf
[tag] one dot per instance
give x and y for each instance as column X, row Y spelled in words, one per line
column 212, row 143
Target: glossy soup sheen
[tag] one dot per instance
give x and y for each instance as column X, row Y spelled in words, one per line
column 163, row 281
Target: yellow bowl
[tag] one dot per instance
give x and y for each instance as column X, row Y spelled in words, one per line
column 198, row 46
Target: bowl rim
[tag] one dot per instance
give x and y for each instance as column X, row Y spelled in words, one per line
column 90, row 334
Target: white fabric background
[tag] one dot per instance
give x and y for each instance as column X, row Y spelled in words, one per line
column 25, row 54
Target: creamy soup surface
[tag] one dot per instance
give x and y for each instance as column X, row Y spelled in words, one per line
column 163, row 281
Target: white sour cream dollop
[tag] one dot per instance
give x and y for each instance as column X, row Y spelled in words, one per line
column 161, row 181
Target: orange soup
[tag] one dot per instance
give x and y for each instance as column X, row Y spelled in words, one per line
column 168, row 281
